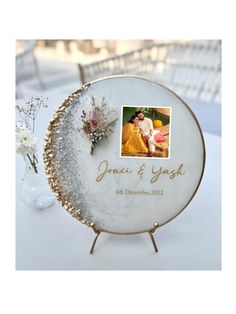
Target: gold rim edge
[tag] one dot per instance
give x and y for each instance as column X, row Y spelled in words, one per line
column 51, row 171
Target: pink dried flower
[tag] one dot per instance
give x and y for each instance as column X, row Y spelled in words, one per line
column 98, row 122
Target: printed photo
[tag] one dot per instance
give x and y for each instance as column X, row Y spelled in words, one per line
column 145, row 132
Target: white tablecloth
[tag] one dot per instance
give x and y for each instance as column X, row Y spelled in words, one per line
column 51, row 239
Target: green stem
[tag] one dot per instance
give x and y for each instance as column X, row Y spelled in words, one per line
column 92, row 149
column 32, row 163
column 35, row 158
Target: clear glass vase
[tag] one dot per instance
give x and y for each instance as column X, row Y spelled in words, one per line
column 34, row 189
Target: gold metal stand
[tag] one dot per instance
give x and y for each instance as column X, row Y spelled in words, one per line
column 150, row 232
column 95, row 239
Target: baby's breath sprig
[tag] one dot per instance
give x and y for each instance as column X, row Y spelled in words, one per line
column 29, row 111
column 25, row 128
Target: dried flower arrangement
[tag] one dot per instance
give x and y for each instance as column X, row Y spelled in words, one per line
column 26, row 141
column 98, row 122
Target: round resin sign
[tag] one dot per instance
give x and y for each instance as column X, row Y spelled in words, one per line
column 123, row 153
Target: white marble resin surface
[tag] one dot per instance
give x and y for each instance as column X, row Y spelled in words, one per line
column 99, row 201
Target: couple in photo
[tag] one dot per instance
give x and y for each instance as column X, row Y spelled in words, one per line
column 138, row 135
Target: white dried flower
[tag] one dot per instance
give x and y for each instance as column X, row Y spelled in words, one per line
column 26, row 141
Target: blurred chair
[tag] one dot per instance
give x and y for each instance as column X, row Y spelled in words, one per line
column 192, row 68
column 27, row 66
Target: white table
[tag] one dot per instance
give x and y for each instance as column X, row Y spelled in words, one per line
column 52, row 240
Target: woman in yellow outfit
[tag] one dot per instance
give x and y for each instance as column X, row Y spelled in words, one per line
column 132, row 141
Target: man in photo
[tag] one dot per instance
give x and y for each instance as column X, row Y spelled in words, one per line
column 146, row 127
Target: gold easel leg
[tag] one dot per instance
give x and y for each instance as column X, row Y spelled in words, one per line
column 153, row 242
column 150, row 232
column 95, row 239
column 94, row 242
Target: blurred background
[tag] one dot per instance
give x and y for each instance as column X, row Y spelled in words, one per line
column 191, row 68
